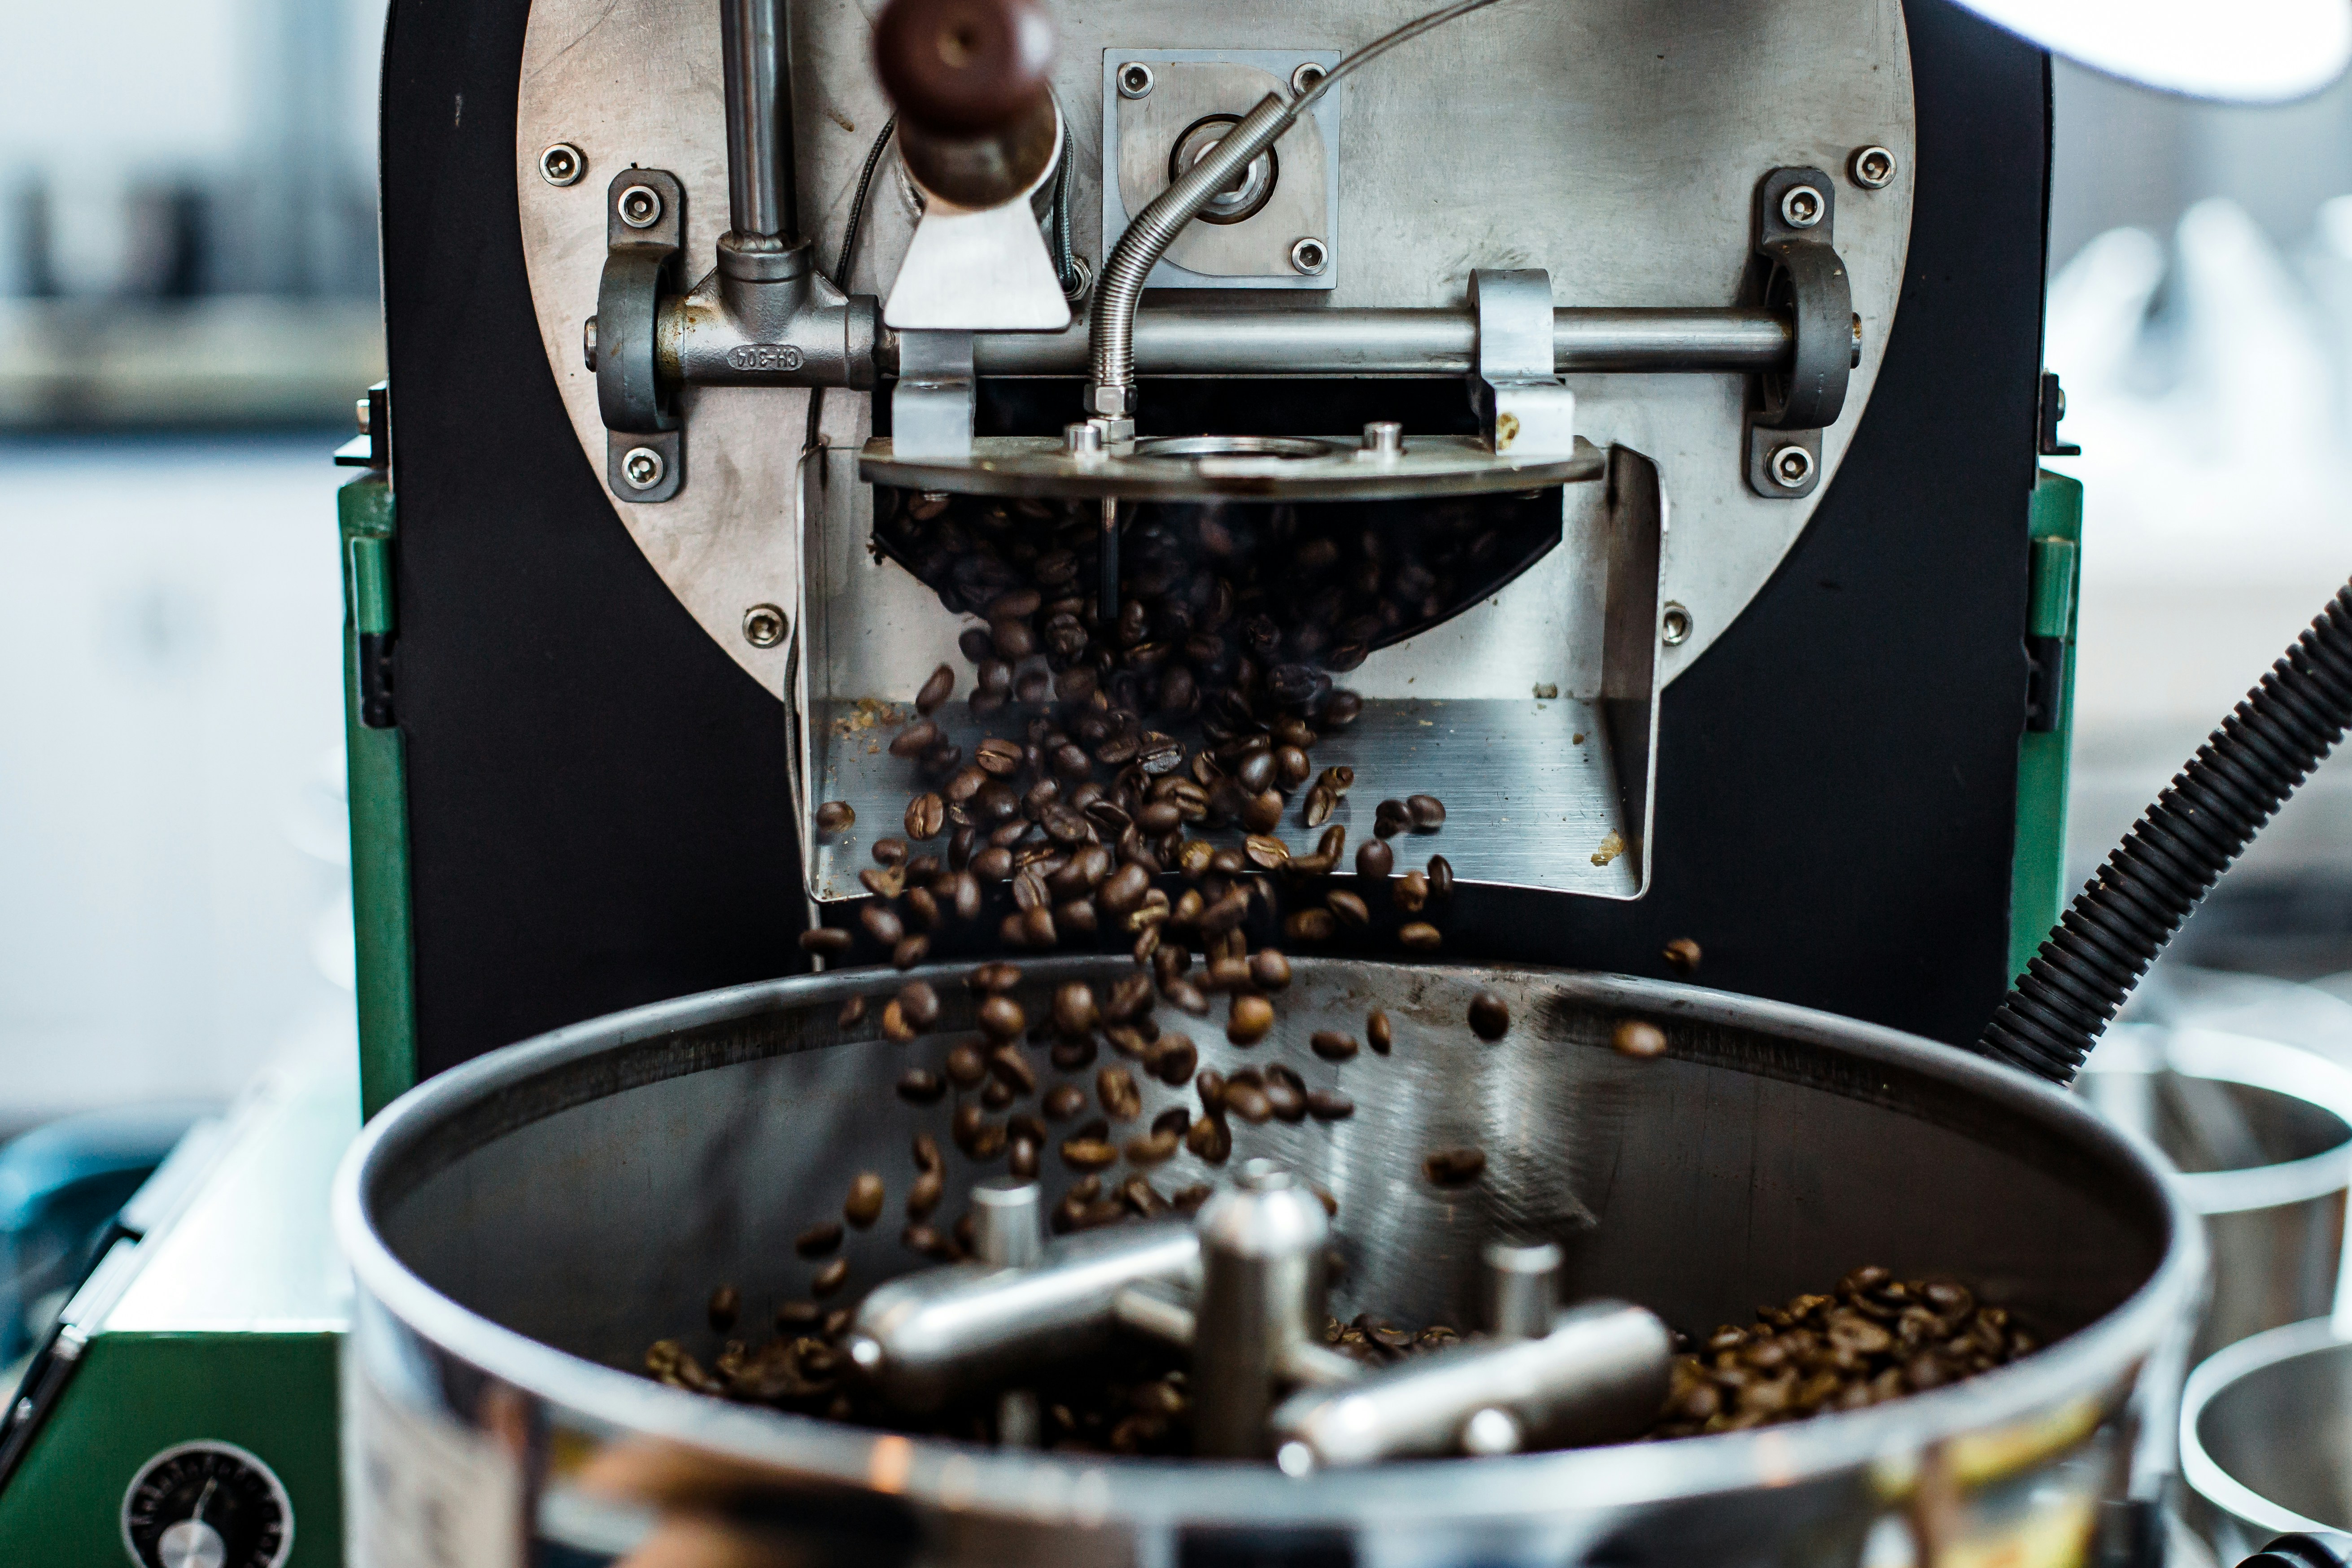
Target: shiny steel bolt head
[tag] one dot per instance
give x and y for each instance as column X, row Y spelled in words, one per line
column 1083, row 439
column 642, row 467
column 1384, row 437
column 1134, row 79
column 1801, row 206
column 588, row 342
column 562, row 165
column 1871, row 168
column 640, row 206
column 1303, row 79
column 1673, row 624
column 1310, row 256
column 1789, row 467
column 764, row 625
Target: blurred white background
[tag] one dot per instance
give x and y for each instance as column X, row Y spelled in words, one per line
column 174, row 901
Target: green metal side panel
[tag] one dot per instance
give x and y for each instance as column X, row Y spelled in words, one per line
column 2038, row 876
column 65, row 1505
column 378, row 771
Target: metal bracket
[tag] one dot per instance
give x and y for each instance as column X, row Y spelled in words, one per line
column 932, row 408
column 1528, row 411
column 645, row 225
column 644, row 467
column 1797, row 269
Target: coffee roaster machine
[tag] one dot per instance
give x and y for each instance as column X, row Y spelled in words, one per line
column 1723, row 320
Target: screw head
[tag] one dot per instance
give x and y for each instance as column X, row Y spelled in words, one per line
column 562, row 165
column 1674, row 625
column 1309, row 257
column 640, row 206
column 1303, row 79
column 643, row 467
column 1871, row 168
column 1789, row 467
column 764, row 625
column 1134, row 79
column 1801, row 206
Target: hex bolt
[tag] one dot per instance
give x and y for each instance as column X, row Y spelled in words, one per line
column 642, row 467
column 588, row 342
column 1801, row 206
column 1674, row 625
column 1789, row 467
column 763, row 626
column 1303, row 79
column 1134, row 79
column 562, row 165
column 640, row 206
column 1871, row 168
column 1309, row 257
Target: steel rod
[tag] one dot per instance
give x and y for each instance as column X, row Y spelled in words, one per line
column 762, row 197
column 1198, row 341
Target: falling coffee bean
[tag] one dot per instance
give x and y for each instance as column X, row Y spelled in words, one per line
column 930, row 1241
column 1638, row 1037
column 818, row 1239
column 1374, row 860
column 918, row 1087
column 830, row 1278
column 852, row 1014
column 1001, row 1018
column 830, row 941
column 1420, row 937
column 918, row 1004
column 863, row 1204
column 1682, row 955
column 1376, row 1033
column 1490, row 1015
column 1390, row 818
column 966, row 1066
column 1411, row 891
column 924, row 1195
column 993, row 978
column 910, row 951
column 1247, row 1101
column 725, row 1302
column 1269, row 970
column 1210, row 1139
column 1249, row 1019
column 895, row 1026
column 1074, row 1010
column 1064, row 1101
column 833, row 816
column 882, row 923
column 1441, row 877
column 1454, row 1167
column 1330, row 1105
column 1332, row 1045
column 1426, row 813
column 927, row 813
column 915, row 738
column 935, row 691
column 1349, row 910
column 1089, row 1153
column 1114, row 1087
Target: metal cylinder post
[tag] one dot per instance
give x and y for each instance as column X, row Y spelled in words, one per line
column 1262, row 1244
column 762, row 195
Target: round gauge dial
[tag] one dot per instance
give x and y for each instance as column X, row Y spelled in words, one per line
column 207, row 1505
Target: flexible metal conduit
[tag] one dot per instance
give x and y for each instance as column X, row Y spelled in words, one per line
column 2167, row 863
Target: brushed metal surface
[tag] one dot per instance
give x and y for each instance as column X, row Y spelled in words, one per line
column 532, row 1220
column 1616, row 147
column 1040, row 466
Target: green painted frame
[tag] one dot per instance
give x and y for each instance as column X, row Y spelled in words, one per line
column 2046, row 758
column 382, row 917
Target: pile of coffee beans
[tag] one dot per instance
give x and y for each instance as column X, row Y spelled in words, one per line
column 1873, row 1339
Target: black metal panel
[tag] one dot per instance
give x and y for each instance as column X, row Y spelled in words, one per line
column 597, row 792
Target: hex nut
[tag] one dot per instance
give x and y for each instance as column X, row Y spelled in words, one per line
column 562, row 165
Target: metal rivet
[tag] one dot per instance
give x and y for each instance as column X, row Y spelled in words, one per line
column 642, row 467
column 1309, row 257
column 1800, row 206
column 588, row 342
column 562, row 165
column 1134, row 79
column 763, row 626
column 1789, row 467
column 1384, row 437
column 1674, row 626
column 1303, row 79
column 640, row 206
column 1871, row 168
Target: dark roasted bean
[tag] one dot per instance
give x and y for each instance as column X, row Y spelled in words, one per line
column 1071, row 1056
column 1638, row 1037
column 1421, row 936
column 922, row 908
column 1411, row 891
column 1210, row 1086
column 1286, row 1100
column 834, row 816
column 1263, row 813
column 1250, row 1018
column 1343, row 710
column 1211, row 1139
column 1130, row 998
column 936, row 690
column 910, row 952
column 864, row 1200
column 974, row 644
column 967, row 781
column 1374, row 859
column 882, row 923
column 994, row 864
column 1308, row 925
column 1115, row 1089
column 918, row 1004
column 993, row 978
column 853, row 1012
column 1248, row 1101
column 830, row 941
column 724, row 1304
column 1064, row 1101
column 885, row 883
column 924, row 1150
column 1023, row 1159
column 929, row 1241
column 1426, row 813
column 1490, row 1015
column 818, row 1239
column 1330, row 1105
column 1441, row 877
column 965, row 1066
column 1291, row 768
column 1332, row 1045
column 1376, row 1033
column 1188, row 997
column 918, row 1087
column 998, row 757
column 1349, row 910
column 1001, row 1017
column 1175, row 1118
column 915, row 738
column 1011, row 1069
column 1390, row 818
column 830, row 1278
column 1454, row 1167
column 1682, row 955
column 1269, row 970
column 889, row 852
column 1089, row 1153
column 925, row 817
column 1172, row 1059
column 1038, row 928
column 1074, row 1013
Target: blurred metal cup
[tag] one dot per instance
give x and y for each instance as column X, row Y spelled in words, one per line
column 2266, row 1438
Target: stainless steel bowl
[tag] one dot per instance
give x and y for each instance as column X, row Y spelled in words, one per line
column 522, row 1228
column 2267, row 1437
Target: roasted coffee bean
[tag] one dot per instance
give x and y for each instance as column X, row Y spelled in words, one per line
column 1638, row 1037
column 1211, row 1086
column 1343, row 710
column 967, row 781
column 1211, row 1139
column 1226, row 975
column 915, row 738
column 853, row 1013
column 1308, row 925
column 724, row 1304
column 830, row 1278
column 926, row 816
column 1330, row 1105
column 1187, row 997
column 894, row 1027
column 1248, row 1101
column 1152, row 1148
column 1027, row 1124
column 1225, row 913
column 1000, row 758
column 929, row 1241
column 918, row 1004
column 1349, row 910
column 966, row 1066
column 889, row 852
column 818, row 1239
column 887, row 883
column 1001, row 1017
column 1130, row 998
column 882, row 923
column 1023, row 1160
column 924, row 1150
column 1014, row 640
column 1332, row 1045
column 1291, row 768
column 1269, row 970
column 1316, row 810
column 1172, row 1059
column 1286, row 1100
column 1254, row 771
column 1265, row 851
column 918, row 1087
column 1175, row 1118
column 1411, row 892
column 864, row 1200
column 797, row 1317
column 834, row 816
column 1376, row 1033
column 1374, row 859
column 910, row 951
column 1279, row 1072
column 1441, row 877
column 1115, row 1089
column 994, row 864
column 1426, row 813
column 1072, row 1056
column 1490, row 1015
column 974, row 644
column 993, row 978
column 936, row 690
column 1262, row 813
column 1420, row 937
column 1454, row 1167
column 1250, row 1018
column 830, row 941
column 1038, row 928
column 1228, row 862
column 1089, row 1153
column 1682, row 955
column 1064, row 1101
column 921, row 908
column 996, row 1095
column 1075, row 1012
column 1011, row 1069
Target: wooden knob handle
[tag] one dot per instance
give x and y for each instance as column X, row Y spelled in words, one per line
column 963, row 67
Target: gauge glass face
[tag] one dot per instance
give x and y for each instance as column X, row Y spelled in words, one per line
column 207, row 1505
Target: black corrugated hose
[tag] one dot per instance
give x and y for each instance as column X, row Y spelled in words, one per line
column 2125, row 915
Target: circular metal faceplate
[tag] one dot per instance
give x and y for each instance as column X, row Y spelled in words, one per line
column 207, row 1504
column 1178, row 469
column 1648, row 190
